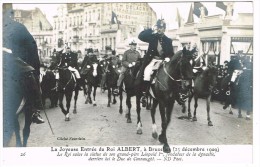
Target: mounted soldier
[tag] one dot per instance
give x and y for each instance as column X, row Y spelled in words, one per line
column 70, row 60
column 160, row 49
column 129, row 59
column 21, row 62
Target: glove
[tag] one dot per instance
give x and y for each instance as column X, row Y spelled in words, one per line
column 167, row 59
column 133, row 63
column 88, row 66
column 130, row 65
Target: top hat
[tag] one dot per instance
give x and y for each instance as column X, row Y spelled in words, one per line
column 133, row 43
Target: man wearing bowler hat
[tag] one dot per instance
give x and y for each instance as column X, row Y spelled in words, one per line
column 129, row 59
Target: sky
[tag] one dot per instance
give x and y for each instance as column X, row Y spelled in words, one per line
column 167, row 10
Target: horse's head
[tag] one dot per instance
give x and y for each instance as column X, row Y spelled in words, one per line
column 182, row 66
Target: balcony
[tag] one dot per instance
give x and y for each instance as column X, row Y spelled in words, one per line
column 109, row 28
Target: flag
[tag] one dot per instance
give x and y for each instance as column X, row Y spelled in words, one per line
column 114, row 19
column 40, row 25
column 197, row 6
column 178, row 18
column 190, row 18
column 221, row 5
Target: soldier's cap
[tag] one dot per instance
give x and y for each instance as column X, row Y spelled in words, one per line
column 132, row 43
column 89, row 50
column 113, row 52
column 161, row 23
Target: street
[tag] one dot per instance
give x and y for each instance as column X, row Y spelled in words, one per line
column 105, row 126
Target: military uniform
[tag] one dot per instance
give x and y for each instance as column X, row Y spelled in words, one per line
column 160, row 47
column 129, row 57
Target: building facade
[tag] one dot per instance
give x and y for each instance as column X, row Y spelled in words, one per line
column 40, row 28
column 217, row 37
column 90, row 25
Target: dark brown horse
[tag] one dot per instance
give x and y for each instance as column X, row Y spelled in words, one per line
column 204, row 85
column 66, row 86
column 112, row 75
column 167, row 87
column 15, row 102
column 132, row 90
column 92, row 80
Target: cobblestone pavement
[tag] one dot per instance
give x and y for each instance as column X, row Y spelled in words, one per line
column 104, row 126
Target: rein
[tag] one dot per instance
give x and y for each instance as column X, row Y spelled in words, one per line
column 68, row 81
column 164, row 69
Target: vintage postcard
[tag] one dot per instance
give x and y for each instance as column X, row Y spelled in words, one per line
column 129, row 82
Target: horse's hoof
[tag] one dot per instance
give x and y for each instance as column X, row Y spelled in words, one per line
column 166, row 148
column 114, row 102
column 129, row 120
column 210, row 123
column 120, row 110
column 162, row 139
column 126, row 115
column 248, row 118
column 139, row 131
column 155, row 135
column 108, row 105
column 189, row 116
column 240, row 116
column 230, row 112
column 94, row 104
column 74, row 111
column 67, row 119
column 194, row 119
column 86, row 102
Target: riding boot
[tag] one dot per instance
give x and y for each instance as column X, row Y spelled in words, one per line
column 79, row 84
column 146, row 88
column 32, row 89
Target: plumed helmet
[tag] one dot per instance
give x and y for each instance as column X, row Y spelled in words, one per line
column 161, row 23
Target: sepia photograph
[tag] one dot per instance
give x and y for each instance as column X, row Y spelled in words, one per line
column 121, row 82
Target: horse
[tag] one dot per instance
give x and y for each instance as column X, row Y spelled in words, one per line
column 169, row 80
column 15, row 102
column 131, row 90
column 92, row 79
column 48, row 87
column 204, row 85
column 66, row 86
column 112, row 75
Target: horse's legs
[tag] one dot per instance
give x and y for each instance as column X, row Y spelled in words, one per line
column 26, row 129
column 154, row 127
column 108, row 96
column 208, row 110
column 114, row 99
column 138, row 110
column 89, row 94
column 129, row 105
column 121, row 100
column 239, row 113
column 162, row 136
column 61, row 95
column 17, row 131
column 68, row 96
column 94, row 96
column 195, row 108
column 189, row 101
column 248, row 112
column 75, row 101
